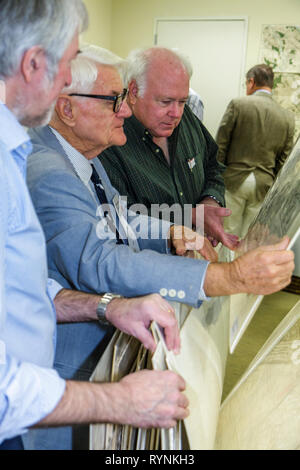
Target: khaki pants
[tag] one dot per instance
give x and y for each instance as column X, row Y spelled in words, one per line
column 244, row 205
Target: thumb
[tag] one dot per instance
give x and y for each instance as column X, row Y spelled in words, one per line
column 223, row 211
column 281, row 245
column 180, row 247
column 217, row 211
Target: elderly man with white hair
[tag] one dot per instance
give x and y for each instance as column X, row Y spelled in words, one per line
column 169, row 157
column 91, row 244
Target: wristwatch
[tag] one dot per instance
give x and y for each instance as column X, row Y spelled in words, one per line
column 102, row 306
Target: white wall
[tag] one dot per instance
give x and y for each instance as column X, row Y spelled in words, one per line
column 100, row 23
column 133, row 20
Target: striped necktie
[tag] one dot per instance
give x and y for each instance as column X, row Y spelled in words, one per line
column 95, row 178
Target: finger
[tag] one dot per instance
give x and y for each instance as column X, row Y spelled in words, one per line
column 167, row 424
column 172, row 335
column 230, row 241
column 182, row 413
column 180, row 247
column 164, row 315
column 172, row 338
column 181, row 383
column 146, row 338
column 281, row 245
column 164, row 305
column 189, row 236
column 221, row 211
column 183, row 401
column 281, row 257
column 209, row 253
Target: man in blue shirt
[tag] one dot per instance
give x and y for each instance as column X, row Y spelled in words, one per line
column 38, row 41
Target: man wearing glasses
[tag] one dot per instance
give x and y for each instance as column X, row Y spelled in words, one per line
column 91, row 245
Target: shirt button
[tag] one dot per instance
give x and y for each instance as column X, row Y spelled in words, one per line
column 144, row 139
column 172, row 293
column 157, row 150
column 181, row 294
column 181, row 194
column 163, row 292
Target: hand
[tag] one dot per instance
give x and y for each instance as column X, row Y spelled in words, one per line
column 261, row 271
column 134, row 316
column 184, row 239
column 213, row 223
column 266, row 269
column 153, row 399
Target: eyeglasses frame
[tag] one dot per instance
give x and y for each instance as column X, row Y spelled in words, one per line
column 115, row 98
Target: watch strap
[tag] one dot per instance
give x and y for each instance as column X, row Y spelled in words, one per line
column 102, row 306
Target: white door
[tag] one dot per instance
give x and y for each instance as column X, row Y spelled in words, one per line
column 217, row 50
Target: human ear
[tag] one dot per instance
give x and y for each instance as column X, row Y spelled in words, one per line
column 33, row 64
column 66, row 110
column 133, row 92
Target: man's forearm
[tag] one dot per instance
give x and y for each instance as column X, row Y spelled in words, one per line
column 143, row 399
column 220, row 280
column 76, row 306
column 262, row 271
column 83, row 403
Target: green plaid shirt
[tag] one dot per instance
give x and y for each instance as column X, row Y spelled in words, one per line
column 140, row 171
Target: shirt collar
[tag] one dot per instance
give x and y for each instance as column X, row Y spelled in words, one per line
column 138, row 127
column 263, row 91
column 80, row 164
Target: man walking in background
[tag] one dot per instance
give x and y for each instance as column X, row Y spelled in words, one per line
column 254, row 138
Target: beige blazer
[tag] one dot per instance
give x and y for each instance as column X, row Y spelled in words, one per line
column 255, row 135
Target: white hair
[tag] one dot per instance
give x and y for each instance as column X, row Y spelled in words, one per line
column 84, row 67
column 50, row 24
column 139, row 60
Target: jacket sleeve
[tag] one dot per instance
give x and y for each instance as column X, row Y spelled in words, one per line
column 224, row 133
column 83, row 254
column 214, row 182
column 288, row 145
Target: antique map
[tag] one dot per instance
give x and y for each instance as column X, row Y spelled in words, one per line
column 278, row 216
column 280, row 48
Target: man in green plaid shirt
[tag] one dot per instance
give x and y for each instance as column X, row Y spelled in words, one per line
column 169, row 157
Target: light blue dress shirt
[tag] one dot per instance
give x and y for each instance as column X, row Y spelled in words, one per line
column 29, row 388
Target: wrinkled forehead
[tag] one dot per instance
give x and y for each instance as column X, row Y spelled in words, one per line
column 171, row 79
column 109, row 81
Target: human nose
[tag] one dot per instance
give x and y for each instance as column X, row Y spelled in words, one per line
column 124, row 110
column 68, row 77
column 175, row 109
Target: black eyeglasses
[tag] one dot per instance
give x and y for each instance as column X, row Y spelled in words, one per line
column 117, row 99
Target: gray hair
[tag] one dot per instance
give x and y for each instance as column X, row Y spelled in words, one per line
column 262, row 74
column 84, row 67
column 50, row 24
column 139, row 61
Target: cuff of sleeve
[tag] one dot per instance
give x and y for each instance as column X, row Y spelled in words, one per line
column 221, row 203
column 33, row 394
column 53, row 288
column 202, row 295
